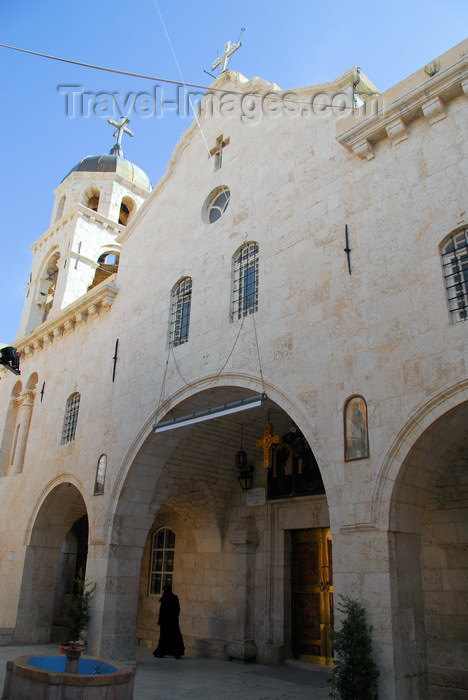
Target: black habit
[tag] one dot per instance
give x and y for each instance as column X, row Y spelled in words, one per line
column 170, row 637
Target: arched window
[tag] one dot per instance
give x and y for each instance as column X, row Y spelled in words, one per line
column 245, row 281
column 71, row 418
column 162, row 560
column 180, row 312
column 126, row 208
column 92, row 198
column 455, row 264
column 108, row 264
column 100, row 475
column 60, row 208
column 49, row 285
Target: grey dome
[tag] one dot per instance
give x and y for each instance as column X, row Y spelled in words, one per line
column 111, row 163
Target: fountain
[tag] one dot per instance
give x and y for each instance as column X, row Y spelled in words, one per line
column 49, row 678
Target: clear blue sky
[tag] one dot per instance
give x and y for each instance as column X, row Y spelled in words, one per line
column 299, row 42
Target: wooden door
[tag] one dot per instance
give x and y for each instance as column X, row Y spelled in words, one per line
column 312, row 595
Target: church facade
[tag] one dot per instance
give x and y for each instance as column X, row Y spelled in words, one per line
column 251, row 381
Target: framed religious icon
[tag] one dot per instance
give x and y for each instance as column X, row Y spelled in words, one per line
column 355, row 429
column 100, row 475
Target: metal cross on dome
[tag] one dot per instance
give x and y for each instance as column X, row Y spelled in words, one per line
column 223, row 60
column 121, row 130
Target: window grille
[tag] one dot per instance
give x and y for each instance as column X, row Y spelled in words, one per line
column 455, row 264
column 162, row 560
column 180, row 312
column 245, row 281
column 70, row 419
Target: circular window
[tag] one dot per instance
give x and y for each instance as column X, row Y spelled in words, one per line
column 216, row 204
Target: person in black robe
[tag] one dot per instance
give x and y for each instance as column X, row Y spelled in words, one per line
column 170, row 637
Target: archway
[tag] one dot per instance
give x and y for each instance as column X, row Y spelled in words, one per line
column 427, row 538
column 62, row 513
column 227, row 552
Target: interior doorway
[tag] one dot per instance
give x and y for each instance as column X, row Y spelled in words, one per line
column 312, row 595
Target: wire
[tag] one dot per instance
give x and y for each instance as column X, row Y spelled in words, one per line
column 209, row 89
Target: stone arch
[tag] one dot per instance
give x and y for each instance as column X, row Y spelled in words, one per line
column 427, row 541
column 187, row 477
column 60, row 506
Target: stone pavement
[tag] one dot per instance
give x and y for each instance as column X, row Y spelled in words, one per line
column 191, row 678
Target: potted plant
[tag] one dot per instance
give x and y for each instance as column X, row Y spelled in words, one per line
column 355, row 672
column 75, row 613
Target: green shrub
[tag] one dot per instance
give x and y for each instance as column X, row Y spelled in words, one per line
column 355, row 672
column 75, row 614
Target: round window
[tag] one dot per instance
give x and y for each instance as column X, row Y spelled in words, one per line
column 216, row 204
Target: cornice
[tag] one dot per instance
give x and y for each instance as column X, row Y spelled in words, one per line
column 87, row 307
column 76, row 212
column 424, row 94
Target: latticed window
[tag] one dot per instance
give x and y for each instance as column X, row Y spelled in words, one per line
column 162, row 560
column 245, row 281
column 180, row 312
column 455, row 263
column 71, row 418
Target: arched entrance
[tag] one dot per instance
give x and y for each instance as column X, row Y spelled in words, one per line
column 231, row 553
column 428, row 545
column 57, row 548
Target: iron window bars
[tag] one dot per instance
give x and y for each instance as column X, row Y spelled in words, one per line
column 180, row 312
column 455, row 264
column 245, row 281
column 70, row 418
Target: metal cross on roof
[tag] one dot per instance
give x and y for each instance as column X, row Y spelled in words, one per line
column 223, row 60
column 116, row 149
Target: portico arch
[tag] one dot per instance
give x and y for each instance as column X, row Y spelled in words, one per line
column 57, row 512
column 186, row 480
column 427, row 546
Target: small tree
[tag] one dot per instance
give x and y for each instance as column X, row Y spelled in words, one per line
column 75, row 614
column 355, row 673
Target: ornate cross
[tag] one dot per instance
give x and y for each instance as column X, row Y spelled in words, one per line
column 217, row 152
column 267, row 442
column 121, row 129
column 223, row 60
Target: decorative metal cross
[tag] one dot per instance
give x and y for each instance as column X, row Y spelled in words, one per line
column 217, row 152
column 223, row 60
column 121, row 129
column 267, row 442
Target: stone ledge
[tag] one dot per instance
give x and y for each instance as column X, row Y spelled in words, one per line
column 417, row 96
column 88, row 306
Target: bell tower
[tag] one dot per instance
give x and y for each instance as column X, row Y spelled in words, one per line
column 93, row 205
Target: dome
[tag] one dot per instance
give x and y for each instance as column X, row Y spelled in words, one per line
column 112, row 163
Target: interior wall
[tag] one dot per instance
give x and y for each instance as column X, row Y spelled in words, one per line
column 444, row 553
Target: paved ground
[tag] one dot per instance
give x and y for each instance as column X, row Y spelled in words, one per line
column 206, row 679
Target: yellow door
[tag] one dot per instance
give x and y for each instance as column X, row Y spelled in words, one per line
column 312, row 595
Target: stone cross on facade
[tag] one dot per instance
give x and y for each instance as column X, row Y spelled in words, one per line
column 223, row 60
column 216, row 153
column 267, row 442
column 121, row 128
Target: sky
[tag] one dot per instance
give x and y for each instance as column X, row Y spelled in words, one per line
column 44, row 131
